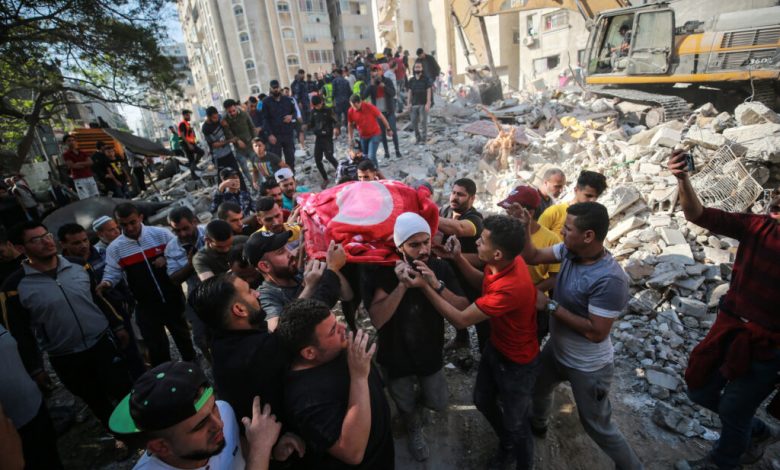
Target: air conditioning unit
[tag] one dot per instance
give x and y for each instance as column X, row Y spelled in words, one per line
column 529, row 41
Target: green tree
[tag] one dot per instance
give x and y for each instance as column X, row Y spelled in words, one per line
column 105, row 50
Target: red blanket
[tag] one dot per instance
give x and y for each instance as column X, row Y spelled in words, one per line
column 361, row 216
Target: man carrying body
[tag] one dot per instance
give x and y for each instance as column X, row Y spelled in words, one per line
column 418, row 102
column 282, row 282
column 411, row 331
column 138, row 256
column 382, row 93
column 212, row 258
column 179, row 252
column 173, row 409
column 219, row 144
column 735, row 367
column 231, row 213
column 366, row 118
column 460, row 219
column 191, row 149
column 51, row 306
column 80, row 166
column 553, row 182
column 590, row 185
column 510, row 359
column 590, row 292
column 333, row 398
column 278, row 115
column 229, row 190
column 271, row 219
column 290, row 189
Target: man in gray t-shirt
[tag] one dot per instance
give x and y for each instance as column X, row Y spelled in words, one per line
column 590, row 292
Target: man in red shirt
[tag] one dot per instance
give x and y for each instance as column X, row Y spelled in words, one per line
column 364, row 116
column 735, row 368
column 80, row 165
column 509, row 364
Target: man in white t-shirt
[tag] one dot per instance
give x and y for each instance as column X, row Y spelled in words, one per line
column 185, row 427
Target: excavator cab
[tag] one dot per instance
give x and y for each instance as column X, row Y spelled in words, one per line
column 632, row 43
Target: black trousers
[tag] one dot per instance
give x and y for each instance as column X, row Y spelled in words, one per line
column 323, row 146
column 140, row 181
column 99, row 376
column 286, row 145
column 193, row 157
column 39, row 442
column 153, row 319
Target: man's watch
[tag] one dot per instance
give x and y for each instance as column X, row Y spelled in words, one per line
column 552, row 306
column 441, row 287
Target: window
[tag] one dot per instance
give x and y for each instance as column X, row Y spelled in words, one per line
column 559, row 19
column 530, row 25
column 358, row 8
column 546, row 63
column 250, row 65
column 320, row 56
column 312, row 5
column 243, row 37
column 255, row 90
column 238, row 10
column 283, row 7
column 288, row 33
column 292, row 60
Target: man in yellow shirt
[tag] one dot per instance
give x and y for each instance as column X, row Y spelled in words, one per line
column 590, row 185
column 271, row 219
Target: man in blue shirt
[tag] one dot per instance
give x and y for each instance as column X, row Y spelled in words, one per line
column 279, row 117
column 286, row 179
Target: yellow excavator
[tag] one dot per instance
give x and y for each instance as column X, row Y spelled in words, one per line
column 641, row 54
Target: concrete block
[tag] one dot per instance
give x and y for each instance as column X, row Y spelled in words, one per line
column 689, row 307
column 666, row 137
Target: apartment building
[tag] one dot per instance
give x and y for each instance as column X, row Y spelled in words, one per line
column 236, row 47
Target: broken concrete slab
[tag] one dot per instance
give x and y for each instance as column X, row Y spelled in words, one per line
column 745, row 134
column 681, row 254
column 666, row 137
column 755, row 112
column 689, row 307
column 672, row 236
column 662, row 379
column 624, row 227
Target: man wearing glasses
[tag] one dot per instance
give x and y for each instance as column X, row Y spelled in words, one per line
column 53, row 299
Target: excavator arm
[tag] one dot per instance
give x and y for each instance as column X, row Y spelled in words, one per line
column 587, row 8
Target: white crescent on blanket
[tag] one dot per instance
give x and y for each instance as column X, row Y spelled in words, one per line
column 364, row 203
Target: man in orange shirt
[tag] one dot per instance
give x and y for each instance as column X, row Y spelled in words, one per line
column 190, row 147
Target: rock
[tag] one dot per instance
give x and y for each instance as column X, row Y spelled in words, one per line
column 659, row 393
column 746, row 134
column 722, row 122
column 691, row 283
column 672, row 236
column 705, row 137
column 716, row 255
column 666, row 137
column 619, row 198
column 644, row 301
column 754, row 112
column 707, row 110
column 718, row 292
column 765, row 150
column 662, row 379
column 637, row 270
column 624, row 227
column 689, row 307
column 665, row 274
column 681, row 254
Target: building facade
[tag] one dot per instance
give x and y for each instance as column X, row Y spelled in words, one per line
column 236, row 47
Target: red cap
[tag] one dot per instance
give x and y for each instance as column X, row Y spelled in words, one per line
column 377, row 67
column 524, row 195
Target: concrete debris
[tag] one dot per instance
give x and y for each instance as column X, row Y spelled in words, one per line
column 755, row 113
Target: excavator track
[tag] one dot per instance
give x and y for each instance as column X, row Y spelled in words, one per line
column 671, row 107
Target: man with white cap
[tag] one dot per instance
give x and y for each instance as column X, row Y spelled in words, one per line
column 411, row 331
column 107, row 230
column 286, row 179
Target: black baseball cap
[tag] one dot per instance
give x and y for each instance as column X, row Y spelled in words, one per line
column 274, row 83
column 162, row 397
column 227, row 172
column 264, row 242
column 211, row 110
column 185, row 111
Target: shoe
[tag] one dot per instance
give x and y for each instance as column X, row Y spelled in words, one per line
column 417, row 445
column 398, row 156
column 324, row 184
column 455, row 343
column 538, row 431
column 758, row 445
column 705, row 463
column 502, row 460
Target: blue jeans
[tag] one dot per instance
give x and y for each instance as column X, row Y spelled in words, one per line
column 736, row 403
column 498, row 378
column 369, row 146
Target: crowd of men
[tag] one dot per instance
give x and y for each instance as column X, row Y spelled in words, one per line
column 535, row 281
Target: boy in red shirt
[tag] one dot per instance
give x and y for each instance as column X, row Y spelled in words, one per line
column 80, row 166
column 364, row 116
column 509, row 364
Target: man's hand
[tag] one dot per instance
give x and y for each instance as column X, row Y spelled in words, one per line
column 159, row 262
column 541, row 300
column 313, row 272
column 358, row 357
column 427, row 107
column 677, row 164
column 287, row 119
column 123, row 337
column 241, row 144
column 272, row 139
column 104, row 285
column 262, row 430
column 336, row 257
column 288, row 444
column 389, row 132
column 450, row 250
column 43, row 381
column 427, row 274
column 295, row 216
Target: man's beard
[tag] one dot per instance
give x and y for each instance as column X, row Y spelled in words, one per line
column 285, row 272
column 458, row 207
column 276, row 94
column 204, row 454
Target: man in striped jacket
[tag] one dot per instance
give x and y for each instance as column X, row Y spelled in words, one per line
column 139, row 253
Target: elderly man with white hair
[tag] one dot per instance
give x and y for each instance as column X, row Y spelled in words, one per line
column 410, row 329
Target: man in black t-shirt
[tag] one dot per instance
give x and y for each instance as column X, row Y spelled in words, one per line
column 333, row 398
column 461, row 220
column 418, row 102
column 108, row 169
column 411, row 331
